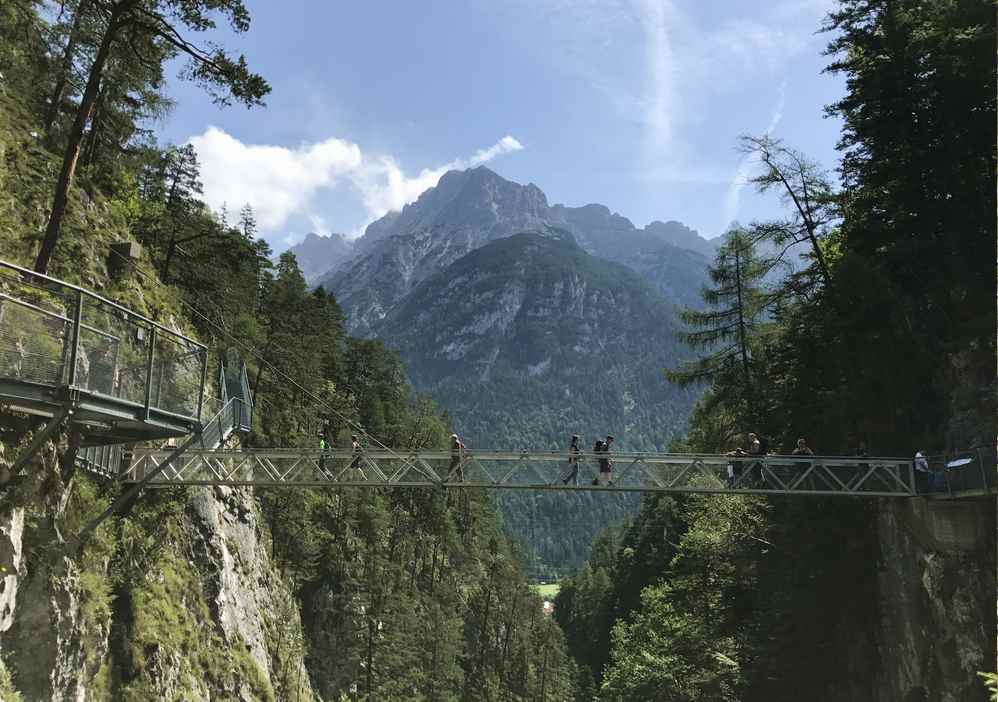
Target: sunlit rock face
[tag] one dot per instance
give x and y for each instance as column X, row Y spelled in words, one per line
column 468, row 209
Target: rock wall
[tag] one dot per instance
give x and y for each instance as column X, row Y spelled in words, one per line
column 937, row 588
column 206, row 617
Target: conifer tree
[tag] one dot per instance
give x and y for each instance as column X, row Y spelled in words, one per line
column 727, row 329
column 156, row 22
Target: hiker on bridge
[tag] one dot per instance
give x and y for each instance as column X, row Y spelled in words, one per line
column 358, row 454
column 322, row 453
column 923, row 476
column 573, row 462
column 605, row 462
column 802, row 449
column 456, row 458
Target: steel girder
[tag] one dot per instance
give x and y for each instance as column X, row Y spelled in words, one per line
column 531, row 470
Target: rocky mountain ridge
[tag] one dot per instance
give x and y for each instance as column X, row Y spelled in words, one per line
column 468, row 209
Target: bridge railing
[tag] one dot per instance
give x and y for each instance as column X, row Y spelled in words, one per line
column 56, row 334
column 962, row 472
column 819, row 475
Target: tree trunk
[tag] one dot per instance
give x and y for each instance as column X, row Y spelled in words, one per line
column 67, row 65
column 61, row 197
column 96, row 124
column 742, row 342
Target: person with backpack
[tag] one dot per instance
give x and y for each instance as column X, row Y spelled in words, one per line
column 605, row 462
column 597, row 449
column 573, row 462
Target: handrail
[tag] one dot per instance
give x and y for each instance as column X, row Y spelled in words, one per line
column 102, row 300
column 138, row 365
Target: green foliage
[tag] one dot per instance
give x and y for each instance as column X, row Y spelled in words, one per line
column 991, row 682
column 751, row 598
column 729, row 326
column 670, row 654
column 394, row 595
column 7, row 691
column 170, row 618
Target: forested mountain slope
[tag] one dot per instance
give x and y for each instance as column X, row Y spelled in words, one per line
column 530, row 339
column 529, row 323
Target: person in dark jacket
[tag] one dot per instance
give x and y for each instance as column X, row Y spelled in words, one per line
column 573, row 462
column 605, row 462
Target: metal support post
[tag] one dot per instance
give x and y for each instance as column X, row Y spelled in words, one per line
column 132, row 492
column 149, row 362
column 39, row 440
column 204, row 380
column 74, row 350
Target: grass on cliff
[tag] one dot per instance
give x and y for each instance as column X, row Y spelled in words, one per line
column 7, row 691
column 173, row 634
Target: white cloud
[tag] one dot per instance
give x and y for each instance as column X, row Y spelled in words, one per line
column 275, row 180
column 383, row 185
column 319, row 225
column 659, row 15
column 279, row 182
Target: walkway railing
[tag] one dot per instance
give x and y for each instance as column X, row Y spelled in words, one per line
column 533, row 470
column 56, row 334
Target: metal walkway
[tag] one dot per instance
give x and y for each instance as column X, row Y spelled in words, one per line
column 528, row 470
column 74, row 356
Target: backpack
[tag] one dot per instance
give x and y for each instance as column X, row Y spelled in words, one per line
column 599, row 446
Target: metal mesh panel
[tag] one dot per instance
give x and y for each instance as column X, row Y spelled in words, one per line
column 176, row 375
column 39, row 336
column 32, row 343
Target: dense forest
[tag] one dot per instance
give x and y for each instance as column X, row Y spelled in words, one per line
column 884, row 339
column 218, row 593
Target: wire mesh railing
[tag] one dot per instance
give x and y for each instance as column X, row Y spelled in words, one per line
column 56, row 334
column 960, row 472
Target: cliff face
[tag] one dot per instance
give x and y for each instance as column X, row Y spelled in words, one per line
column 936, row 599
column 189, row 607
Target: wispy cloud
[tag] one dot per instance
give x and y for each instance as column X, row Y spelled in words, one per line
column 659, row 16
column 661, row 64
column 279, row 182
column 732, row 199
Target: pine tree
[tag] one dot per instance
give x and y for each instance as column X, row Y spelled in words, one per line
column 247, row 221
column 727, row 329
column 152, row 22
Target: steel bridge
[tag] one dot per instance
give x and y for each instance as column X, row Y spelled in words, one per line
column 116, row 378
column 526, row 470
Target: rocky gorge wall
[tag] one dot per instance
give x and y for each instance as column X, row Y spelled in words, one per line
column 937, row 594
column 180, row 601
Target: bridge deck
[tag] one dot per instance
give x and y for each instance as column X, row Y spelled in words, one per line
column 530, row 470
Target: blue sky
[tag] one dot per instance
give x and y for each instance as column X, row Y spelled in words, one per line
column 635, row 104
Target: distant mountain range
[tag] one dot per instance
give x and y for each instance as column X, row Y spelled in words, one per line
column 318, row 254
column 470, row 208
column 528, row 322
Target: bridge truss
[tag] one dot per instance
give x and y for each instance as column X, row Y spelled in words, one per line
column 528, row 470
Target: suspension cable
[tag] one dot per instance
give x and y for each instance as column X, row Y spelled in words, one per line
column 259, row 357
